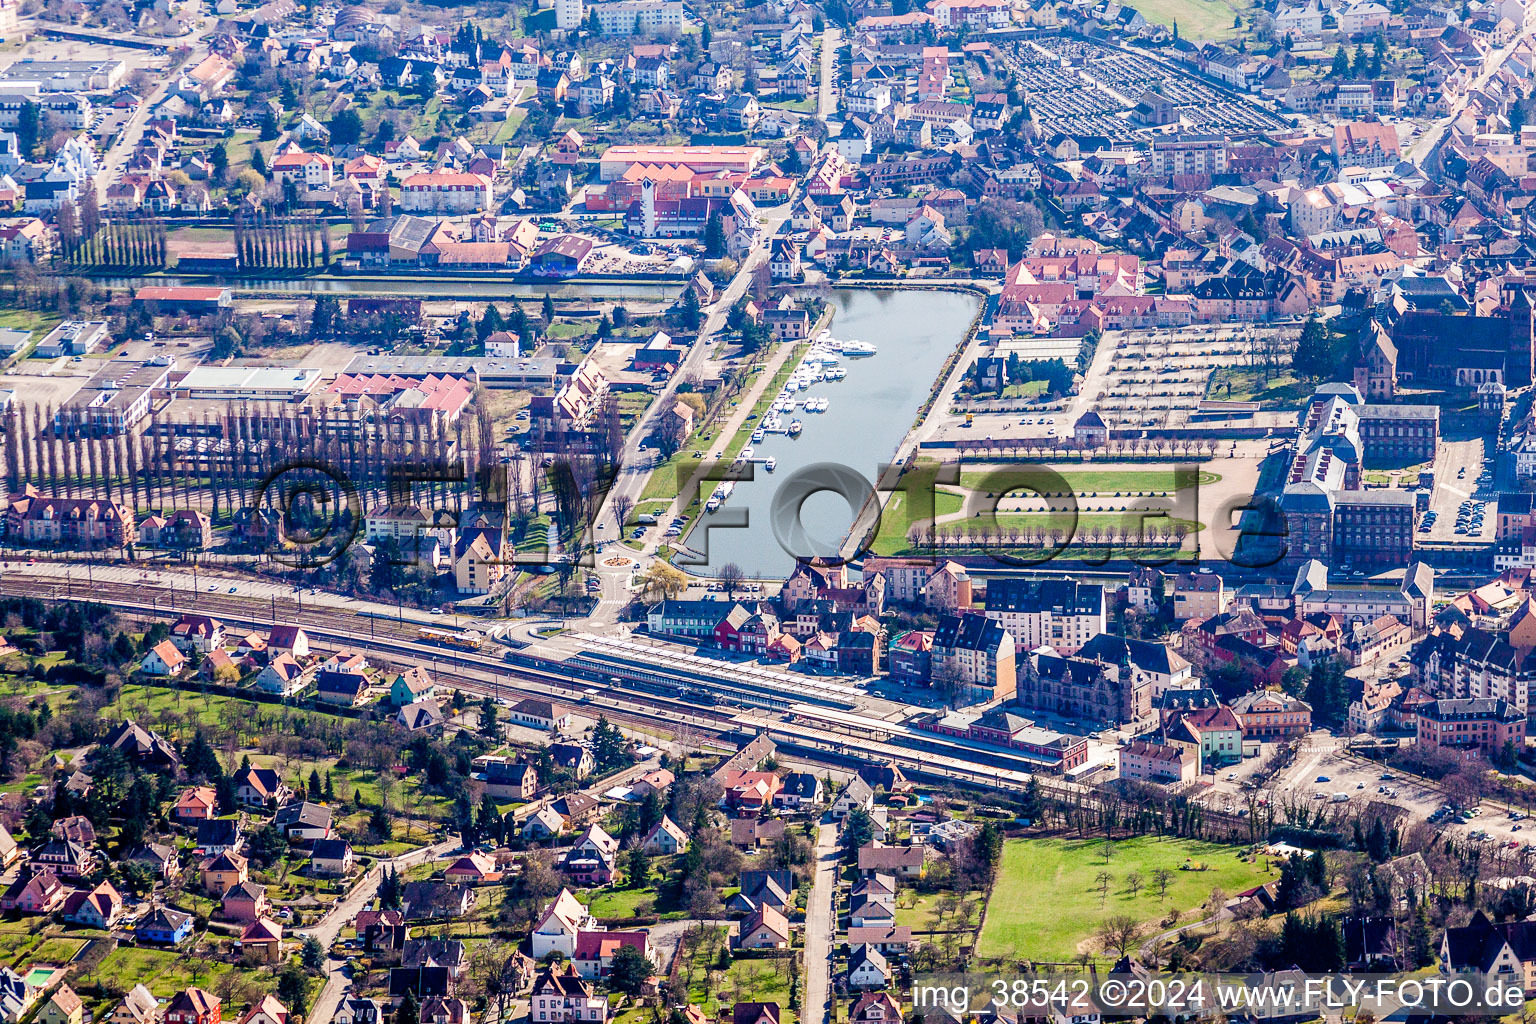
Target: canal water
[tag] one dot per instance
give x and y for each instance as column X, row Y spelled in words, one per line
column 869, row 413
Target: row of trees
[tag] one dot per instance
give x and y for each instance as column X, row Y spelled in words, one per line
column 283, row 243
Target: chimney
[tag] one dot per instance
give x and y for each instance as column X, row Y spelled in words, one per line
column 648, row 208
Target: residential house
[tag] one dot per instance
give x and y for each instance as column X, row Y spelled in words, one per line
column 764, row 928
column 195, row 804
column 263, row 939
column 304, row 822
column 260, row 788
column 560, row 994
column 595, row 951
column 436, row 900
column 97, row 908
column 163, row 926
column 857, row 794
column 34, row 892
column 867, row 969
column 904, row 862
column 331, row 858
column 665, row 838
column 558, row 927
column 62, row 1007
column 800, row 789
column 245, row 903
column 538, row 714
column 139, row 1006
column 224, row 871
column 164, row 659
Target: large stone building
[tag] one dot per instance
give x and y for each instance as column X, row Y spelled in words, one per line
column 1112, row 680
column 1061, row 614
column 1480, row 664
column 34, row 520
column 1438, row 340
column 1471, row 724
column 1410, row 602
column 973, row 655
column 1328, row 513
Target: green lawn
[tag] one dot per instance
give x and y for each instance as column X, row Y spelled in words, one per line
column 743, row 981
column 56, row 951
column 895, row 520
column 510, row 126
column 29, row 320
column 935, row 910
column 632, row 406
column 622, row 903
column 1197, row 19
column 1047, row 906
column 1233, row 384
column 565, row 331
column 164, row 972
column 15, row 938
column 535, row 538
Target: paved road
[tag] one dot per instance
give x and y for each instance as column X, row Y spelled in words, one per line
column 831, row 39
column 1425, row 144
column 820, row 927
column 128, row 139
column 329, row 927
column 635, row 466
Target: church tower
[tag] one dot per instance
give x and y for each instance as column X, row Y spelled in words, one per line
column 1520, row 368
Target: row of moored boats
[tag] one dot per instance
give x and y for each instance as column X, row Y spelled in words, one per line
column 820, row 365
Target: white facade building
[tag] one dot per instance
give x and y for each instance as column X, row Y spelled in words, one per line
column 639, row 17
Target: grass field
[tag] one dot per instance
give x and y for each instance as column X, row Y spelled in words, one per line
column 16, row 937
column 895, row 520
column 743, row 981
column 28, row 320
column 163, row 972
column 928, row 912
column 1197, row 19
column 1046, row 904
column 1238, row 385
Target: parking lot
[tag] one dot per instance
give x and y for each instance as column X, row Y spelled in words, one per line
column 1462, row 505
column 1324, row 771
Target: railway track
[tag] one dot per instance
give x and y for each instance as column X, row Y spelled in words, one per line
column 807, row 735
column 488, row 675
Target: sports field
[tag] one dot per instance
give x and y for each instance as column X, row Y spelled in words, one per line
column 1047, row 903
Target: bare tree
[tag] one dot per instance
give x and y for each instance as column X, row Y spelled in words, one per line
column 1119, row 933
column 731, row 578
column 1162, row 878
column 1103, row 880
column 623, row 505
column 1134, row 883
